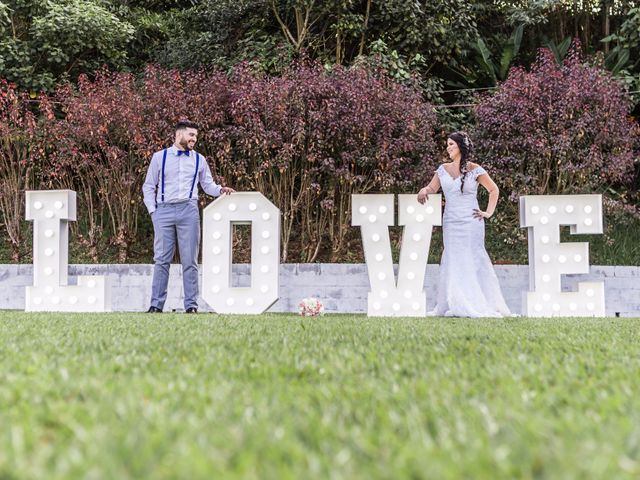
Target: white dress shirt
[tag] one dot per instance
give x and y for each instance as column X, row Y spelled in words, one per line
column 179, row 172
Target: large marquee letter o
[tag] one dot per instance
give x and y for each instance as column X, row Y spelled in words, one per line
column 264, row 217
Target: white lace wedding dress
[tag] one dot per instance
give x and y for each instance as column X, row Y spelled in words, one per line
column 467, row 285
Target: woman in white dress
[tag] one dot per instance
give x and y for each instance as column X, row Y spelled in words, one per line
column 467, row 285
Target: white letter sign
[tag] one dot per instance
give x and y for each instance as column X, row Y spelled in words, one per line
column 241, row 208
column 51, row 212
column 543, row 215
column 374, row 214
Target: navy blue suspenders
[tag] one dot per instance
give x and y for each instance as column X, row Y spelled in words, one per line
column 164, row 160
column 193, row 182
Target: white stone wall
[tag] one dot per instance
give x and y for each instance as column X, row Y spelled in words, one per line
column 343, row 288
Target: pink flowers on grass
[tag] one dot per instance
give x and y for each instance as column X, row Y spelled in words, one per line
column 311, row 307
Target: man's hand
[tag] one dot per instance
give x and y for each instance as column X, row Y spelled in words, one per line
column 226, row 191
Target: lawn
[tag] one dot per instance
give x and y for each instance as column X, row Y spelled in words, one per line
column 274, row 396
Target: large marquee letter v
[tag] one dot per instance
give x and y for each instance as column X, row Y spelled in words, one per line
column 374, row 214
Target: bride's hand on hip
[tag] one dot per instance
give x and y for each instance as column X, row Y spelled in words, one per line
column 423, row 196
column 479, row 214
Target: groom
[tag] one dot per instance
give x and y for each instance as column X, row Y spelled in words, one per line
column 171, row 197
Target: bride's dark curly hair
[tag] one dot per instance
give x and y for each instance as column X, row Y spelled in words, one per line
column 464, row 144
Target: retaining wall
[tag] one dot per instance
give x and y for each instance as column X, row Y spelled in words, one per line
column 342, row 287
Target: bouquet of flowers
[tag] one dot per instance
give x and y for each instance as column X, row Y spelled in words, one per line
column 311, row 307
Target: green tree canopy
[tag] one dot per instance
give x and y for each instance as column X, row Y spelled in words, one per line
column 44, row 41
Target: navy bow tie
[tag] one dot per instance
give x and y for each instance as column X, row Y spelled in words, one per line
column 183, row 152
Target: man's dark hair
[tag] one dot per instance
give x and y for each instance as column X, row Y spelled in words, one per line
column 181, row 125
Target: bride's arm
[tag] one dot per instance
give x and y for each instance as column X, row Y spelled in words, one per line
column 494, row 192
column 433, row 187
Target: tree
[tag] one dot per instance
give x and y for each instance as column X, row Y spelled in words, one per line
column 222, row 33
column 44, row 41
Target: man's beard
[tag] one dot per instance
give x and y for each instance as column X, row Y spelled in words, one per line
column 184, row 144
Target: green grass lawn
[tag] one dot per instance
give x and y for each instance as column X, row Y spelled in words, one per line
column 273, row 396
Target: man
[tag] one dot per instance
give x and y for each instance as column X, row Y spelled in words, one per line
column 171, row 196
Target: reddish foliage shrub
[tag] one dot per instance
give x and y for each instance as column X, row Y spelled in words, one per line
column 557, row 129
column 21, row 156
column 310, row 139
column 101, row 154
column 110, row 129
column 307, row 140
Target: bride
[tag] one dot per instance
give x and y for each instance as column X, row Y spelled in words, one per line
column 468, row 286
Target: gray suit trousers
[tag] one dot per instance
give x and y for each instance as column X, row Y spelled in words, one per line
column 176, row 222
